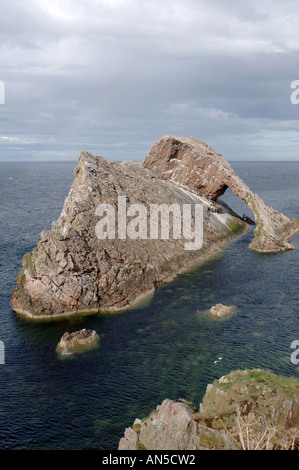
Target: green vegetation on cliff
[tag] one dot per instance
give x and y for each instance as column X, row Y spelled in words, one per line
column 250, row 409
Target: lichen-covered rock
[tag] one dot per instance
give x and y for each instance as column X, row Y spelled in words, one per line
column 170, row 427
column 250, row 409
column 77, row 342
column 198, row 167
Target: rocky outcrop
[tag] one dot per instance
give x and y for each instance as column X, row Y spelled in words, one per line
column 251, row 409
column 77, row 342
column 220, row 310
column 197, row 167
column 72, row 271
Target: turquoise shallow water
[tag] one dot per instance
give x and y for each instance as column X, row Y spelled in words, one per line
column 167, row 348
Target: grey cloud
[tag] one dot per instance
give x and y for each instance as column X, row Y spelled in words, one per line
column 116, row 75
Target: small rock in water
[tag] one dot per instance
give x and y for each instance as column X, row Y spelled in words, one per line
column 78, row 341
column 220, row 310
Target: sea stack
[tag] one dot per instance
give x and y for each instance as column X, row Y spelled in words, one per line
column 71, row 270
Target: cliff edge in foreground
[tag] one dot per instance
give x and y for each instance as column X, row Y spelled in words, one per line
column 250, row 409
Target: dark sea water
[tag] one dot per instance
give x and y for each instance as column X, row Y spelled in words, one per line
column 164, row 349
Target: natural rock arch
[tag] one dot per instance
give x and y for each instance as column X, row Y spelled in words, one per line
column 192, row 164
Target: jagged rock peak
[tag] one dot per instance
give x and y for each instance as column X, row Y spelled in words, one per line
column 71, row 270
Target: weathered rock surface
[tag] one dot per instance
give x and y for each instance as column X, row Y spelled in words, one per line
column 260, row 402
column 72, row 271
column 220, row 310
column 78, row 341
column 197, row 167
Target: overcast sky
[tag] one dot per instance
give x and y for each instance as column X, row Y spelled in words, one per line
column 113, row 76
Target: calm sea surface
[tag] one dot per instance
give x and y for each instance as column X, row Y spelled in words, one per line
column 164, row 349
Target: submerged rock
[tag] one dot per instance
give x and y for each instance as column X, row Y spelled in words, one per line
column 220, row 310
column 251, row 409
column 78, row 341
column 72, row 271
